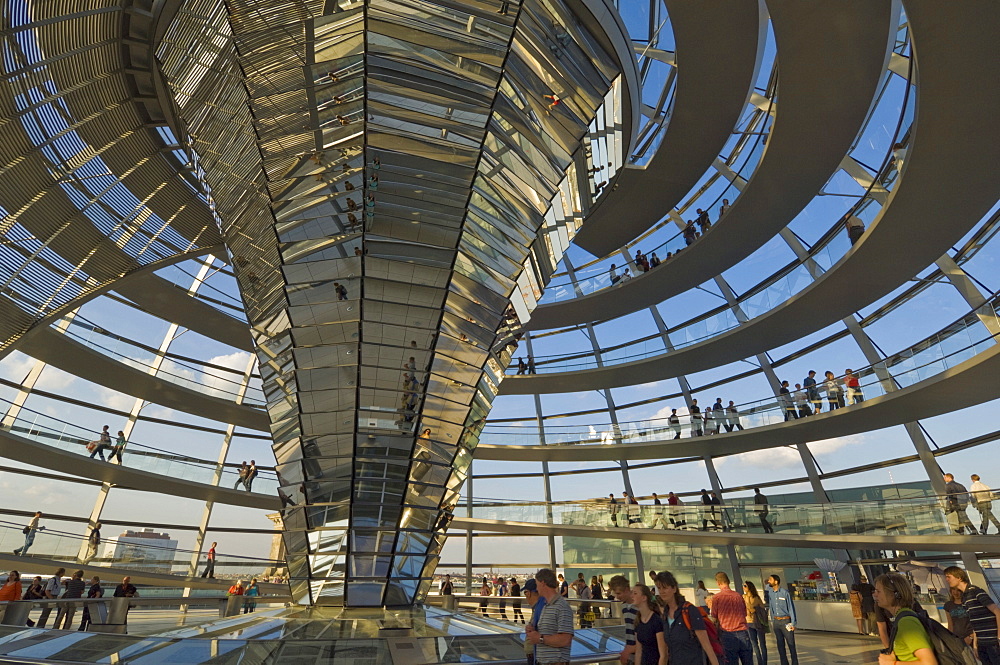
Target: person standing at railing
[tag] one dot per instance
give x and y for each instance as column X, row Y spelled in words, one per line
column 52, row 589
column 834, row 392
column 251, row 474
column 74, row 589
column 119, row 446
column 812, row 391
column 29, row 534
column 11, row 589
column 674, row 421
column 93, row 542
column 210, row 562
column 250, row 597
column 95, row 591
column 786, row 402
column 733, row 417
column 982, row 499
column 957, row 501
column 613, row 509
column 515, row 593
column 35, row 591
column 484, row 593
column 126, row 590
column 853, row 384
column 695, row 411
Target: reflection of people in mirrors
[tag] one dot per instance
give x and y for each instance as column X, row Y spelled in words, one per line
column 426, row 434
column 553, row 102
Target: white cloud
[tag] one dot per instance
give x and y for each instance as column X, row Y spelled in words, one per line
column 785, row 456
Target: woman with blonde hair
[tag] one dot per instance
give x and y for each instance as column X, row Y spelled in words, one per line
column 908, row 641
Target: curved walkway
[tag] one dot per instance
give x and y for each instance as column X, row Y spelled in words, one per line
column 28, row 451
column 948, row 175
column 967, row 384
column 718, row 47
column 168, row 301
column 938, row 542
column 109, row 574
column 825, row 91
column 62, row 352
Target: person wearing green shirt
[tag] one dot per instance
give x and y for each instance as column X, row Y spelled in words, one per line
column 909, row 642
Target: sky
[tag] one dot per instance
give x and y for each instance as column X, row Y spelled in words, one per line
column 926, row 313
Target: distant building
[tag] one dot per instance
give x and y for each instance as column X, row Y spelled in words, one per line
column 145, row 550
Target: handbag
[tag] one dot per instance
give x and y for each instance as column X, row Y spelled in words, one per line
column 760, row 616
column 92, row 446
column 26, row 530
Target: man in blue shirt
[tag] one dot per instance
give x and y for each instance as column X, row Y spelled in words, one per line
column 782, row 611
column 537, row 604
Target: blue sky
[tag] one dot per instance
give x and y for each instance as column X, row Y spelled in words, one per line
column 925, row 314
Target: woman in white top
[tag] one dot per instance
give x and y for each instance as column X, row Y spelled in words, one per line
column 675, row 423
column 710, row 421
column 701, row 595
column 834, row 391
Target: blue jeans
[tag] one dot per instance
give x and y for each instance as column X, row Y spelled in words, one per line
column 28, row 540
column 989, row 654
column 758, row 639
column 783, row 636
column 737, row 647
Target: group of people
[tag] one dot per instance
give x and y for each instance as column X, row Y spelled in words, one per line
column 104, row 442
column 249, row 592
column 712, row 420
column 58, row 587
column 501, row 586
column 907, row 632
column 627, row 512
column 247, row 474
column 958, row 499
column 807, row 400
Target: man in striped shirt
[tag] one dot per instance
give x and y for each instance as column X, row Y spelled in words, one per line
column 983, row 614
column 553, row 636
column 622, row 592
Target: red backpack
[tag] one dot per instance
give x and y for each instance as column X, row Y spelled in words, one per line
column 713, row 632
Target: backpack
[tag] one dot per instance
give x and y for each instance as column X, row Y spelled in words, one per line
column 713, row 632
column 949, row 648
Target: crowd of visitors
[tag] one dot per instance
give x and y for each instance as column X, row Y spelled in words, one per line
column 58, row 586
column 674, row 513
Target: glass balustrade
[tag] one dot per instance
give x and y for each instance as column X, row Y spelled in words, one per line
column 910, row 517
column 957, row 343
column 56, row 433
column 65, row 547
column 202, row 379
column 597, row 277
column 828, row 251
